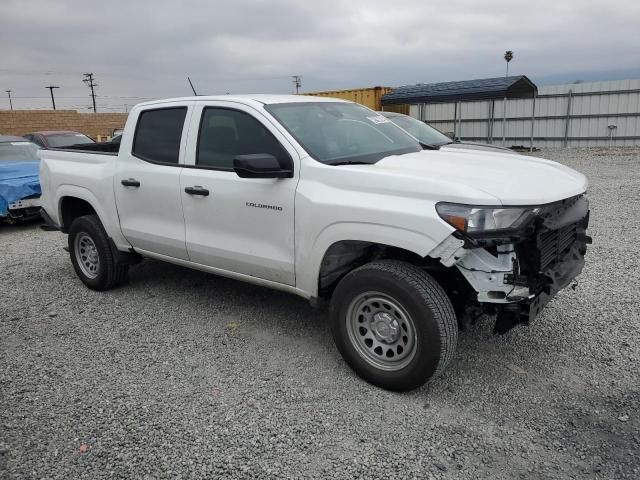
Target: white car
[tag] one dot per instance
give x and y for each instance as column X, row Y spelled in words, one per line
column 431, row 137
column 330, row 201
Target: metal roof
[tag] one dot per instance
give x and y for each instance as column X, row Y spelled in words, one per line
column 465, row 90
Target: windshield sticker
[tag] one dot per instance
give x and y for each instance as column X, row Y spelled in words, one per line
column 79, row 135
column 19, row 143
column 378, row 119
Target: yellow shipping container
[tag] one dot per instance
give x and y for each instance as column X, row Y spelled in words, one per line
column 369, row 97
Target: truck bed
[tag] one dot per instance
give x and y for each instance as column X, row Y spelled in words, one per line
column 85, row 172
column 102, row 147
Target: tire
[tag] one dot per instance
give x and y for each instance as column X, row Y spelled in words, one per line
column 92, row 256
column 393, row 324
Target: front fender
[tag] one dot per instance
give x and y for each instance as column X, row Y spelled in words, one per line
column 308, row 262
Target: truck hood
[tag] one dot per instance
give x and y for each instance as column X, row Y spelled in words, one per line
column 511, row 179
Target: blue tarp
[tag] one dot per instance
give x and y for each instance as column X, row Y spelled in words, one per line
column 18, row 180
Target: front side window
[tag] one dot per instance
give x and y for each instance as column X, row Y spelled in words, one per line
column 158, row 134
column 226, row 133
column 337, row 133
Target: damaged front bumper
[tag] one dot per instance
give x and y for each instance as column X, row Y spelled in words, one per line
column 21, row 210
column 515, row 274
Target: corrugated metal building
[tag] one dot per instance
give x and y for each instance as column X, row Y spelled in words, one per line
column 584, row 114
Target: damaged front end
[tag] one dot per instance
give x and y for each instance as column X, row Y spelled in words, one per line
column 516, row 270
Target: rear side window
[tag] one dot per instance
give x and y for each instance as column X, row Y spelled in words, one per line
column 158, row 134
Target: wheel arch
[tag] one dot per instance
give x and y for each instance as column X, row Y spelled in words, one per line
column 72, row 207
column 352, row 244
column 75, row 201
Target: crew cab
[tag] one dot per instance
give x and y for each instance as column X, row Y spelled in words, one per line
column 328, row 200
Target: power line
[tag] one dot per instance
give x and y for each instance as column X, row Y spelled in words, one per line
column 90, row 83
column 80, row 96
column 216, row 76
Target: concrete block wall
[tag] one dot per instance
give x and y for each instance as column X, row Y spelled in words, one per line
column 21, row 122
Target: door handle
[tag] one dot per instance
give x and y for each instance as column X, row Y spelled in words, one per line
column 197, row 190
column 130, row 182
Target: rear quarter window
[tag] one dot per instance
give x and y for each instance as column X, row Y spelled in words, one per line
column 158, row 134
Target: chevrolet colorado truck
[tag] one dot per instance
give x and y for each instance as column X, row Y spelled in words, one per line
column 330, row 201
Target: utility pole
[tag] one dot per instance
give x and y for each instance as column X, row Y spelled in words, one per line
column 297, row 81
column 10, row 103
column 88, row 79
column 53, row 101
column 508, row 56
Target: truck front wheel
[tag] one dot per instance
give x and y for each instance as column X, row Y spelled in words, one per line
column 393, row 324
column 91, row 254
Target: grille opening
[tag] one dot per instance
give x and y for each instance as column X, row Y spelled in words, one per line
column 554, row 245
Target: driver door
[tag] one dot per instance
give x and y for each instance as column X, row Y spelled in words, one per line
column 241, row 225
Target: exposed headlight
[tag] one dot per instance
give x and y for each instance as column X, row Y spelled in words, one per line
column 470, row 219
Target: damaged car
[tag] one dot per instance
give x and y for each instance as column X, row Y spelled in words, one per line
column 328, row 200
column 19, row 182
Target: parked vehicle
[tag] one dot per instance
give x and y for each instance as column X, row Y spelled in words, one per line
column 428, row 135
column 19, row 184
column 328, row 200
column 58, row 139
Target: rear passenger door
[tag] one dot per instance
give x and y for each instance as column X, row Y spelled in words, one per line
column 242, row 225
column 147, row 181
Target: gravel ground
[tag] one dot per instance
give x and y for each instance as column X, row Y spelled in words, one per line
column 181, row 374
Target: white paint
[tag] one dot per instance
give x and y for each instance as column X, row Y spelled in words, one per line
column 391, row 202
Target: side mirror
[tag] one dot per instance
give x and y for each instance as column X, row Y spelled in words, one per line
column 262, row 165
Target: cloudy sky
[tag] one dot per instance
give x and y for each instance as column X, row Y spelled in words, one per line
column 142, row 49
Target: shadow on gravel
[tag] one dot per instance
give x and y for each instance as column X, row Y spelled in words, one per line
column 202, row 297
column 272, row 316
column 20, row 227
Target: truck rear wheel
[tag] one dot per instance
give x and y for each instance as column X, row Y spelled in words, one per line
column 393, row 324
column 91, row 254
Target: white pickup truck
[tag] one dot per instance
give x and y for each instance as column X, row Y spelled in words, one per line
column 330, row 201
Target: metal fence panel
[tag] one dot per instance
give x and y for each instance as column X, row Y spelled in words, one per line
column 583, row 114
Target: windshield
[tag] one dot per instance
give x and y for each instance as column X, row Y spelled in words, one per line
column 336, row 133
column 67, row 139
column 18, row 151
column 420, row 130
